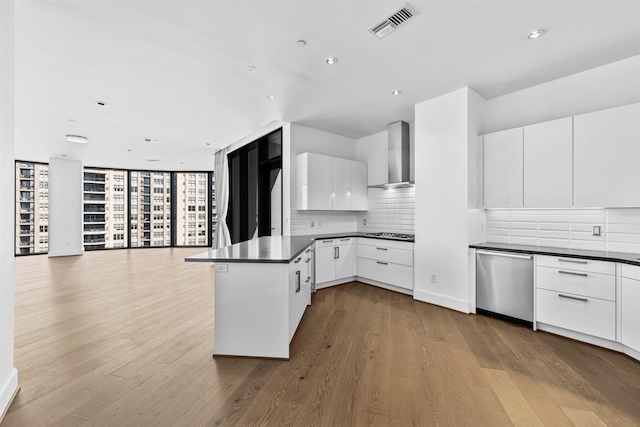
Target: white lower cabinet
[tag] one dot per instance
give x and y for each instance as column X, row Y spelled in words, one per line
column 386, row 261
column 630, row 307
column 577, row 294
column 299, row 291
column 335, row 259
column 591, row 316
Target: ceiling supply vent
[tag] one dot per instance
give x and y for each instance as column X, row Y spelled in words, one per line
column 393, row 21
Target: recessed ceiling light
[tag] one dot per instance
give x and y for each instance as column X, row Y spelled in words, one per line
column 271, row 97
column 301, row 43
column 152, row 160
column 128, row 149
column 153, row 141
column 64, row 155
column 207, row 143
column 251, row 68
column 331, row 60
column 535, row 34
column 396, row 92
column 78, row 139
column 71, row 120
column 100, row 103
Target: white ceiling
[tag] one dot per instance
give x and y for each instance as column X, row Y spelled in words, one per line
column 177, row 71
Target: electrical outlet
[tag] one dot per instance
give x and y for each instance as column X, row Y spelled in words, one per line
column 313, row 223
column 596, row 230
column 433, row 278
column 320, row 224
column 364, row 221
column 222, row 268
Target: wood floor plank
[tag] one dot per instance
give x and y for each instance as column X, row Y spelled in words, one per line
column 116, row 338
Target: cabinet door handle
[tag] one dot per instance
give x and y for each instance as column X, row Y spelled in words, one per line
column 382, row 249
column 380, row 262
column 338, row 249
column 298, row 260
column 298, row 280
column 308, row 260
column 308, row 280
column 571, row 297
column 572, row 273
column 575, row 261
column 335, row 252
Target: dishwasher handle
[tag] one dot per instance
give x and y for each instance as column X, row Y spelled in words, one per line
column 505, row 254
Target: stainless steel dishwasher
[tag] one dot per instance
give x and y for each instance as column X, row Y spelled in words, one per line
column 504, row 284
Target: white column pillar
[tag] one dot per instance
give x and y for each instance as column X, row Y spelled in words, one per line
column 8, row 373
column 65, row 207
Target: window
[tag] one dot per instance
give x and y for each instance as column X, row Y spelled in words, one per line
column 32, row 194
column 100, row 200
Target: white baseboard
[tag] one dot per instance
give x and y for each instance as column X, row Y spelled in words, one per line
column 8, row 391
column 442, row 300
column 65, row 253
column 385, row 286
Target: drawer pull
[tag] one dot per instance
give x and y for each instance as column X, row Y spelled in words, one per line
column 308, row 280
column 575, row 261
column 380, row 262
column 308, row 260
column 572, row 273
column 344, row 240
column 327, row 241
column 298, row 260
column 571, row 297
column 381, row 249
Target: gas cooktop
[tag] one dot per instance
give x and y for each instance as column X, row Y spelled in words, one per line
column 398, row 236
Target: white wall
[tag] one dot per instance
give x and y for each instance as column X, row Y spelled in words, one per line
column 65, row 207
column 444, row 128
column 8, row 373
column 608, row 86
column 299, row 139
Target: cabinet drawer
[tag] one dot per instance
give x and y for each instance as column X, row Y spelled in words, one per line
column 631, row 271
column 583, row 265
column 344, row 241
column 594, row 317
column 383, row 253
column 298, row 262
column 386, row 243
column 326, row 242
column 392, row 274
column 593, row 285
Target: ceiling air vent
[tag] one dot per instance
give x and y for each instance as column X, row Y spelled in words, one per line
column 393, row 21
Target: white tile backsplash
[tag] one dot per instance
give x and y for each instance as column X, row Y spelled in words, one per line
column 391, row 210
column 567, row 228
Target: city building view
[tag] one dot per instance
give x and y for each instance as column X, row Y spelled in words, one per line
column 32, row 208
column 121, row 209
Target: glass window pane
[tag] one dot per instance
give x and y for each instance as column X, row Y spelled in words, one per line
column 105, row 206
column 32, row 208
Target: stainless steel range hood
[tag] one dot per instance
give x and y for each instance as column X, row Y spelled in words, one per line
column 399, row 157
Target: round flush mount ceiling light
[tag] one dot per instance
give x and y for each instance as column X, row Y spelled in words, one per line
column 251, row 68
column 535, row 34
column 331, row 61
column 271, row 97
column 152, row 141
column 78, row 139
column 396, row 92
column 301, row 43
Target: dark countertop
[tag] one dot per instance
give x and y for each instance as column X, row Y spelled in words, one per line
column 281, row 249
column 623, row 257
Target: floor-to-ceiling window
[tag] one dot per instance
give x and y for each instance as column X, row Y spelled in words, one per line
column 255, row 196
column 121, row 208
column 32, row 208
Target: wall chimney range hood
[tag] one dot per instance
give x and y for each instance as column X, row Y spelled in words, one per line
column 399, row 157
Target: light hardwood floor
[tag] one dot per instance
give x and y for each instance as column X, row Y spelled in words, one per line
column 124, row 338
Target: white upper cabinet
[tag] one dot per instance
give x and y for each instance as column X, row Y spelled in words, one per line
column 359, row 183
column 341, row 184
column 330, row 183
column 503, row 169
column 606, row 148
column 548, row 161
column 315, row 182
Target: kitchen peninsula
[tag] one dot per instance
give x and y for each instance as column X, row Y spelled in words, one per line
column 262, row 288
